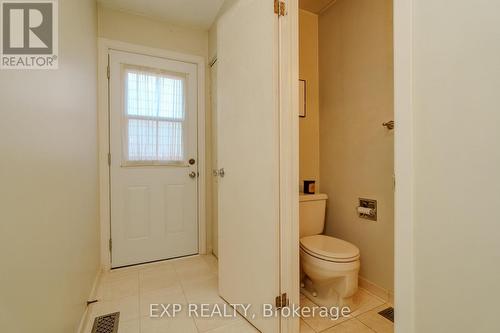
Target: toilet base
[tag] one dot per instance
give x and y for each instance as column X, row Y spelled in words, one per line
column 332, row 299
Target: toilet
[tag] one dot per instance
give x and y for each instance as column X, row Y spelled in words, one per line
column 329, row 266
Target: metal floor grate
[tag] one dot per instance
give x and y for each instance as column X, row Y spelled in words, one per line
column 107, row 323
column 388, row 314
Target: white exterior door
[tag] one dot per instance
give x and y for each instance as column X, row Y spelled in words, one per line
column 248, row 151
column 153, row 146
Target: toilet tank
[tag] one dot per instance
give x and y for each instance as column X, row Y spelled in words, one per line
column 312, row 209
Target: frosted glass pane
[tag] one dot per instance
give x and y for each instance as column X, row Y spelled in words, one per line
column 154, row 95
column 155, row 114
column 170, row 141
column 172, row 98
column 142, row 140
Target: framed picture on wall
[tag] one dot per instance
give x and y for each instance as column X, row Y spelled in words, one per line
column 302, row 98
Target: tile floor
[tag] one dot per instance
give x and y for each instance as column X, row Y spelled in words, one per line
column 194, row 280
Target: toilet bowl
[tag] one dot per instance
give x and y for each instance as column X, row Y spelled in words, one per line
column 329, row 266
column 330, row 269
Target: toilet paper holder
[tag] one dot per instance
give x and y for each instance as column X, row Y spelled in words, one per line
column 367, row 209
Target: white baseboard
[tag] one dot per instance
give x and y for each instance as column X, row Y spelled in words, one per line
column 386, row 295
column 92, row 295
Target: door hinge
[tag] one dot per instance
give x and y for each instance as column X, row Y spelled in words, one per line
column 110, row 244
column 280, row 7
column 109, row 159
column 108, row 72
column 281, row 301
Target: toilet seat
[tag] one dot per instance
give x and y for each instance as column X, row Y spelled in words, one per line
column 329, row 248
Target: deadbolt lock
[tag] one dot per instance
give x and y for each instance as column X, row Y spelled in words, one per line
column 192, row 161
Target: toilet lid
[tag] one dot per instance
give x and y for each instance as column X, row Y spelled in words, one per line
column 329, row 247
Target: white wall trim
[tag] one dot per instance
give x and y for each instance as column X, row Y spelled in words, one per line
column 103, row 123
column 403, row 165
column 93, row 295
column 289, row 159
column 375, row 289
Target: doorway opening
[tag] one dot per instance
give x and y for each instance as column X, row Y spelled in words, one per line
column 152, row 181
column 346, row 159
column 154, row 150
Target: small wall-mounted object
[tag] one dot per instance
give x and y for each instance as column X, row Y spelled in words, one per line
column 302, row 98
column 389, row 125
column 309, row 186
column 367, row 209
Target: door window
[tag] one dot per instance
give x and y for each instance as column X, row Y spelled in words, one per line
column 154, row 117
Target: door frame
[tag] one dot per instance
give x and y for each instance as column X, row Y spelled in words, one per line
column 404, row 219
column 289, row 159
column 104, row 45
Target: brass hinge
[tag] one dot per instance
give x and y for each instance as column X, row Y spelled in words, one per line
column 108, row 72
column 109, row 159
column 110, row 244
column 280, row 7
column 282, row 301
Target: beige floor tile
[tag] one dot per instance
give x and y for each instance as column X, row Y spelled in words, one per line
column 376, row 322
column 131, row 326
column 160, row 266
column 212, row 261
column 319, row 323
column 204, row 298
column 350, row 326
column 173, row 295
column 116, row 288
column 128, row 308
column 196, row 269
column 158, row 277
column 205, row 291
column 213, row 322
column 194, row 287
column 168, row 325
column 304, row 328
column 189, row 263
column 120, row 273
column 364, row 301
column 241, row 326
column 157, row 264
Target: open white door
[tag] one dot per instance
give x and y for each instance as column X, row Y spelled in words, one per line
column 248, row 153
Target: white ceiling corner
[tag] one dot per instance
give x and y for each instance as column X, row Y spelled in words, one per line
column 315, row 6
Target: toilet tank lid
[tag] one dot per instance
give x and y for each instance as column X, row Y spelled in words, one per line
column 312, row 197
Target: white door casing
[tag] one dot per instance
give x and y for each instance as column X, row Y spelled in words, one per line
column 215, row 183
column 248, row 151
column 153, row 207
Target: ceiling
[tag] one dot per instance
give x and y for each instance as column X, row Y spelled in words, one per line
column 192, row 13
column 315, row 6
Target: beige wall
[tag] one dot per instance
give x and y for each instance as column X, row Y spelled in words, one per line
column 49, row 235
column 356, row 97
column 308, row 70
column 457, row 161
column 140, row 30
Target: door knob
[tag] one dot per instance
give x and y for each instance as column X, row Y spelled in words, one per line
column 192, row 174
